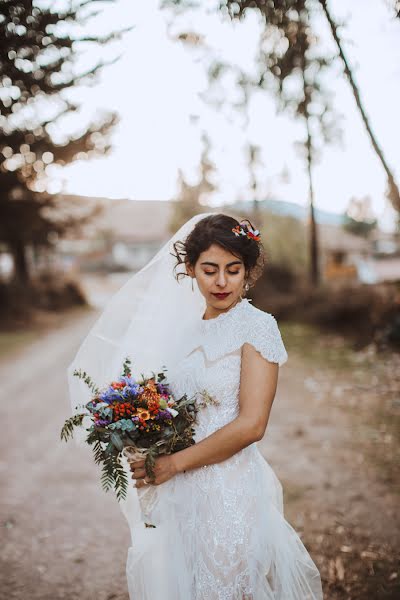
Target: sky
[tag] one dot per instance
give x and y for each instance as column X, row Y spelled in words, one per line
column 158, row 87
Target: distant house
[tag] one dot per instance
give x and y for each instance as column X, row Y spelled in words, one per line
column 386, row 263
column 124, row 236
column 128, row 233
column 346, row 256
column 341, row 253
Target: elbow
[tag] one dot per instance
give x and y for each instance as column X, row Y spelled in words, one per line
column 253, row 430
column 256, row 432
column 260, row 428
column 259, row 434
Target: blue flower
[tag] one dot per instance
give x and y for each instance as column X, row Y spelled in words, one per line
column 110, row 395
column 130, row 391
column 127, row 380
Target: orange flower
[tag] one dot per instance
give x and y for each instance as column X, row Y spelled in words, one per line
column 143, row 414
column 117, row 386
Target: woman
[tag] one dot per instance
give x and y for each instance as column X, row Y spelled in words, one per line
column 217, row 506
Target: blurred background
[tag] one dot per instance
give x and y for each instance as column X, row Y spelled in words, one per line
column 119, row 120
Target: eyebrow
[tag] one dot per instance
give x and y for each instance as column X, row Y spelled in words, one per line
column 235, row 262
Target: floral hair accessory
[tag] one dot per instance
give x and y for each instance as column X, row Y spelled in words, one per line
column 247, row 230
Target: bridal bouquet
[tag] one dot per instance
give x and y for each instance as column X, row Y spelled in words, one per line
column 134, row 418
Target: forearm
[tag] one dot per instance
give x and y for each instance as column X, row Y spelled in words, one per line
column 218, row 446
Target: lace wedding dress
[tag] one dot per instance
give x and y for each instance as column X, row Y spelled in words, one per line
column 220, row 529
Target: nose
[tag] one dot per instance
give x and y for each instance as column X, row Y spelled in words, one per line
column 221, row 280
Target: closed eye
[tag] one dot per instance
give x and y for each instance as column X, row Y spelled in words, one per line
column 230, row 272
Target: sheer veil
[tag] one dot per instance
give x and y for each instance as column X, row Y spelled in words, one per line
column 148, row 319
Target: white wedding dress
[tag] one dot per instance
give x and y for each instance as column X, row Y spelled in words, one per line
column 220, row 529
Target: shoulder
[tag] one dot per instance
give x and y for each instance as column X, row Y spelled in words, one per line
column 260, row 320
column 261, row 330
column 261, row 316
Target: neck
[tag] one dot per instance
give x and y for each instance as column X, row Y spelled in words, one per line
column 212, row 312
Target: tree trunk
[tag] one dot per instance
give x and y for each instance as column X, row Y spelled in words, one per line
column 393, row 192
column 21, row 271
column 313, row 232
column 256, row 208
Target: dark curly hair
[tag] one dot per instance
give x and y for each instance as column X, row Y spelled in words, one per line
column 217, row 229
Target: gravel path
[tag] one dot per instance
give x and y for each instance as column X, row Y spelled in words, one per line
column 55, row 518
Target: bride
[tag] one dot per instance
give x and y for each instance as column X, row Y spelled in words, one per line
column 219, row 531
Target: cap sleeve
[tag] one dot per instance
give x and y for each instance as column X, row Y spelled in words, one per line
column 265, row 336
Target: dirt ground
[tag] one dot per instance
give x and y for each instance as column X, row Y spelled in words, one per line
column 332, row 440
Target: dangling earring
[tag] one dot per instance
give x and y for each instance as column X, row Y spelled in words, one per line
column 246, row 288
column 192, row 284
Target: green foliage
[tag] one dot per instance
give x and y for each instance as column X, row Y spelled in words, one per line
column 98, row 452
column 114, row 476
column 115, row 439
column 87, row 379
column 126, row 368
column 361, row 228
column 162, row 376
column 123, row 424
column 67, row 430
column 359, row 217
column 285, row 242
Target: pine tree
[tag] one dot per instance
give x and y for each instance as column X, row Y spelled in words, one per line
column 39, row 48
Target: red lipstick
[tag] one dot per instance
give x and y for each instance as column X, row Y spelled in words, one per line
column 221, row 296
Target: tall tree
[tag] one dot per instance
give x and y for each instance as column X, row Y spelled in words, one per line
column 281, row 16
column 286, row 45
column 253, row 154
column 189, row 198
column 39, row 56
column 290, row 65
column 298, row 69
column 393, row 192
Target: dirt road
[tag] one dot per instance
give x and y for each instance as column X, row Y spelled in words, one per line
column 62, row 537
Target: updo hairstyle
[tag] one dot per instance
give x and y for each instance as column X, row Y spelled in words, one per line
column 217, row 229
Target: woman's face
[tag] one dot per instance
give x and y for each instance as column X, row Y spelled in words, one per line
column 220, row 277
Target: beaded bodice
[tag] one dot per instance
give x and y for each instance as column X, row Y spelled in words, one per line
column 214, row 360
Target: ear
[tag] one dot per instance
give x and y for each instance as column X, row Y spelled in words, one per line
column 189, row 270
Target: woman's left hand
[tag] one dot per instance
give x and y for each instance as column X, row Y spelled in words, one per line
column 164, row 469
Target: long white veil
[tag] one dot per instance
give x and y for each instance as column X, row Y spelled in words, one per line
column 148, row 320
column 145, row 320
